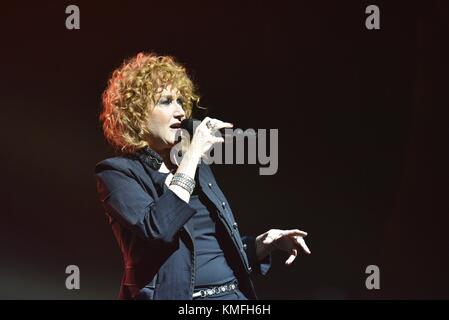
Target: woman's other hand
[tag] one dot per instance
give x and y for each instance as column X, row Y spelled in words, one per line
column 291, row 241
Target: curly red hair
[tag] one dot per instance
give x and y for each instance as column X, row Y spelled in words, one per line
column 132, row 92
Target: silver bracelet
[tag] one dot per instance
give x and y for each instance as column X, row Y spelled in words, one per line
column 184, row 181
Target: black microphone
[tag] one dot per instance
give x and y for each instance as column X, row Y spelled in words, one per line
column 187, row 124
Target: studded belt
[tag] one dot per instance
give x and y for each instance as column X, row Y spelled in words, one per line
column 208, row 292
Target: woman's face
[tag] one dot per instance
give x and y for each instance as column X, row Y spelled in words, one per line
column 165, row 119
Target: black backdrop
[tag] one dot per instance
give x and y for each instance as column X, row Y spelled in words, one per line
column 362, row 118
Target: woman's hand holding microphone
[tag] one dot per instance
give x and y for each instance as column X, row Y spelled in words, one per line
column 203, row 139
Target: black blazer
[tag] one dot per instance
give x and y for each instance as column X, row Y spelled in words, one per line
column 154, row 230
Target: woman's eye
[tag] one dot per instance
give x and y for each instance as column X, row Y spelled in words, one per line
column 165, row 101
column 180, row 102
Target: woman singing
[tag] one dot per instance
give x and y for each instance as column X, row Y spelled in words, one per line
column 174, row 226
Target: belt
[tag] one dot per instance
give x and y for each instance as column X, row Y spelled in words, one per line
column 212, row 291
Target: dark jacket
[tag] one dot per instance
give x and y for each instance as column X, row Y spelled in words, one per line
column 154, row 229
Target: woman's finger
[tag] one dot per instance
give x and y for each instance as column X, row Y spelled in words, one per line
column 216, row 124
column 268, row 239
column 294, row 232
column 292, row 257
column 223, row 125
column 217, row 140
column 303, row 244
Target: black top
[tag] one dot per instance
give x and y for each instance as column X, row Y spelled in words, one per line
column 211, row 244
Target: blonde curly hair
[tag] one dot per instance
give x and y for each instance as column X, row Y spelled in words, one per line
column 132, row 92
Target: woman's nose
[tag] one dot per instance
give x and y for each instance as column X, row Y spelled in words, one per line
column 179, row 111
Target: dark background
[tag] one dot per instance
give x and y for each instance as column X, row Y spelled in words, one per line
column 362, row 118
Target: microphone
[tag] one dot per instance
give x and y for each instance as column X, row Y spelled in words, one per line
column 187, row 124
